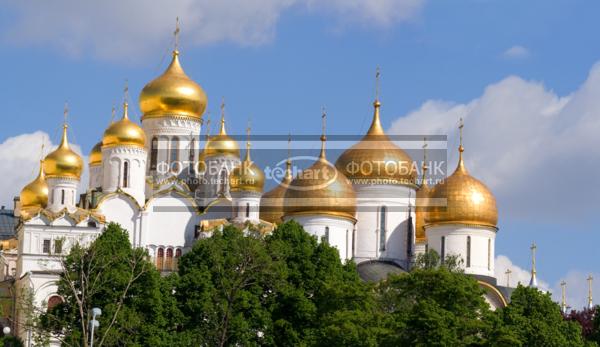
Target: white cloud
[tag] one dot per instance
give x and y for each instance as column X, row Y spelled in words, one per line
column 516, row 52
column 517, row 275
column 20, row 163
column 125, row 30
column 536, row 150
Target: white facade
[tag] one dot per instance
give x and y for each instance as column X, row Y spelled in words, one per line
column 124, row 168
column 382, row 226
column 62, row 193
column 475, row 245
column 337, row 231
column 95, row 176
column 246, row 206
column 216, row 177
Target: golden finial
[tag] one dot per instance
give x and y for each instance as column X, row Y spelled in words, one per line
column 563, row 303
column 461, row 125
column 65, row 113
column 323, row 137
column 590, row 301
column 377, row 75
column 507, row 273
column 222, row 132
column 176, row 34
column 125, row 100
column 533, row 281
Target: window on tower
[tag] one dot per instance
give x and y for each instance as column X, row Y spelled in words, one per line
column 174, row 156
column 125, row 174
column 153, row 153
column 192, row 149
column 382, row 225
column 468, row 251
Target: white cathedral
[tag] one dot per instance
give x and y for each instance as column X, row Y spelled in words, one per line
column 139, row 177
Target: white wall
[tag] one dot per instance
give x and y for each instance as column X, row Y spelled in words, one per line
column 113, row 161
column 56, row 187
column 95, row 176
column 121, row 209
column 240, row 200
column 482, row 261
column 340, row 231
column 369, row 199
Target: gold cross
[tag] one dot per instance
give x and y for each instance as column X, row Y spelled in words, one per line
column 377, row 75
column 66, row 112
column 508, row 272
column 223, row 109
column 533, row 248
column 248, row 128
column 207, row 123
column 425, row 153
column 323, row 119
column 112, row 117
column 176, row 34
column 126, row 91
column 43, row 145
column 461, row 125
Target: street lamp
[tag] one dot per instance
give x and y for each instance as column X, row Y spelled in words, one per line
column 94, row 323
column 6, row 331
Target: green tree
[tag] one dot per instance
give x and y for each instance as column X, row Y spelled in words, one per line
column 533, row 319
column 433, row 305
column 117, row 278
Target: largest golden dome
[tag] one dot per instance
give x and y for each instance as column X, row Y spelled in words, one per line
column 271, row 203
column 221, row 144
column 247, row 176
column 35, row 194
column 124, row 133
column 375, row 159
column 468, row 200
column 320, row 190
column 63, row 162
column 173, row 93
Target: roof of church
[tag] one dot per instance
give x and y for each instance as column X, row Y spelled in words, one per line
column 377, row 270
column 8, row 221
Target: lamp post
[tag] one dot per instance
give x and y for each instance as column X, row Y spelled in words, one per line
column 6, row 331
column 94, row 323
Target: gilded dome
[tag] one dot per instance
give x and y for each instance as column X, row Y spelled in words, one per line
column 173, row 93
column 222, row 144
column 96, row 154
column 469, row 201
column 35, row 194
column 247, row 176
column 124, row 133
column 376, row 159
column 63, row 162
column 320, row 190
column 271, row 203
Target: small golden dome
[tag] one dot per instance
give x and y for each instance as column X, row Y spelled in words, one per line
column 469, row 201
column 247, row 176
column 124, row 133
column 173, row 93
column 96, row 154
column 271, row 203
column 63, row 162
column 320, row 190
column 222, row 144
column 35, row 194
column 376, row 159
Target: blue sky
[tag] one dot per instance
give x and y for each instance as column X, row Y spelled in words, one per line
column 297, row 55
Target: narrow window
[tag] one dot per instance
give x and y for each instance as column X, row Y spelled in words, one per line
column 327, row 234
column 153, row 153
column 247, row 210
column 126, row 174
column 382, row 224
column 489, row 262
column 58, row 246
column 468, row 251
column 192, row 149
column 62, row 196
column 174, row 149
column 169, row 260
column 443, row 248
column 223, row 181
column 176, row 260
column 160, row 257
column 46, row 246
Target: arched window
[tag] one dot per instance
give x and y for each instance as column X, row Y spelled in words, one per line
column 174, row 156
column 53, row 301
column 468, row 251
column 160, row 257
column 153, row 153
column 382, row 225
column 247, row 210
column 489, row 262
column 176, row 260
column 62, row 196
column 125, row 174
column 443, row 249
column 192, row 149
column 169, row 260
column 327, row 234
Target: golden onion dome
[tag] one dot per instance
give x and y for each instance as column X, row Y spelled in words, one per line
column 247, row 176
column 320, row 190
column 124, row 133
column 96, row 154
column 271, row 203
column 35, row 194
column 468, row 200
column 376, row 159
column 422, row 208
column 63, row 162
column 222, row 144
column 173, row 93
